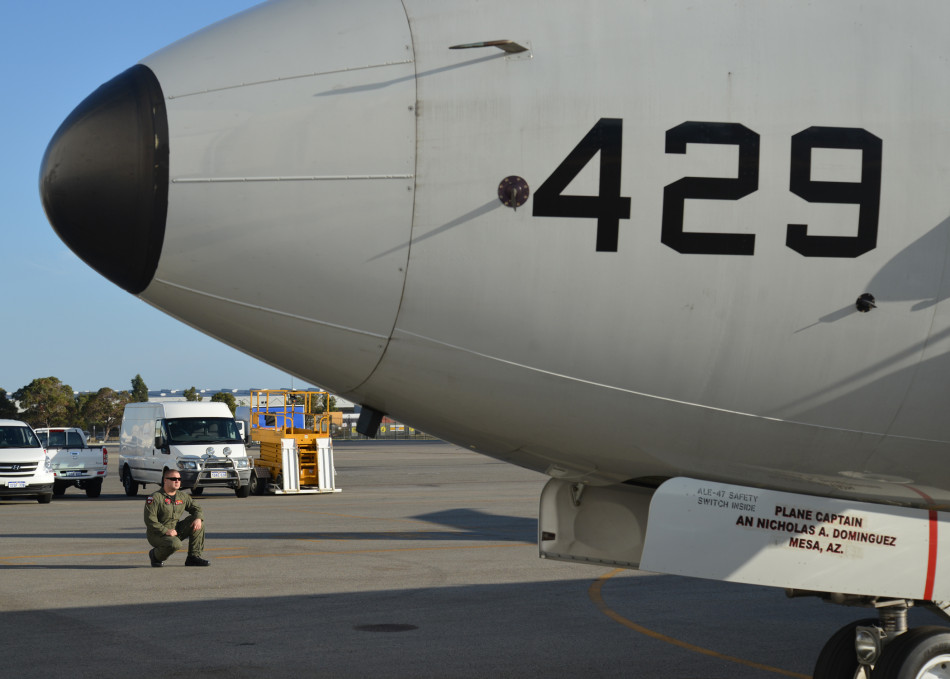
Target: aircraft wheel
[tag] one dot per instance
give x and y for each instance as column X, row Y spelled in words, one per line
column 919, row 653
column 131, row 487
column 837, row 659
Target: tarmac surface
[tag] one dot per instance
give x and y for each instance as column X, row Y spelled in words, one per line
column 425, row 565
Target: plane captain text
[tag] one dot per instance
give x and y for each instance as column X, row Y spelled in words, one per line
column 826, row 532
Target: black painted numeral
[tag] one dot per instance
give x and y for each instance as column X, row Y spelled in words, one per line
column 710, row 188
column 608, row 207
column 866, row 193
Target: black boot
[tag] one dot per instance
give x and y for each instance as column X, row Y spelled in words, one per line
column 155, row 562
column 195, row 561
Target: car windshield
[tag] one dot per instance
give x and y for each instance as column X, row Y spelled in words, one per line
column 184, row 430
column 18, row 437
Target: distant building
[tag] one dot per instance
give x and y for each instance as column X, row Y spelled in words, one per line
column 242, row 397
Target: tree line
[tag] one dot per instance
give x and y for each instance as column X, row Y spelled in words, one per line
column 47, row 402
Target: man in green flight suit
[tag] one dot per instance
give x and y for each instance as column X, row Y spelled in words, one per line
column 163, row 528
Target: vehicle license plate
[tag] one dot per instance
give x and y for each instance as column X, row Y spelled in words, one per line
column 16, row 484
column 219, row 475
column 73, row 473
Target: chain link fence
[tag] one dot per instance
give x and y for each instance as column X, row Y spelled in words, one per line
column 387, row 432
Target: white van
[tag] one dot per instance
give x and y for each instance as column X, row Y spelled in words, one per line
column 199, row 439
column 25, row 468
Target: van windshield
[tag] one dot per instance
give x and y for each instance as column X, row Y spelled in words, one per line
column 18, row 437
column 185, row 430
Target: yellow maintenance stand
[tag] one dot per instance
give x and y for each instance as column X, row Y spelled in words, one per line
column 294, row 431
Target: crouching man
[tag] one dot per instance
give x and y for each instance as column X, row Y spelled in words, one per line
column 164, row 527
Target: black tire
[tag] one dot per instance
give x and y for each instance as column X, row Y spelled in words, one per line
column 44, row 499
column 130, row 485
column 197, row 491
column 254, row 485
column 59, row 488
column 93, row 487
column 243, row 491
column 837, row 659
column 915, row 653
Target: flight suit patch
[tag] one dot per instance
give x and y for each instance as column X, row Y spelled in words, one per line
column 149, row 500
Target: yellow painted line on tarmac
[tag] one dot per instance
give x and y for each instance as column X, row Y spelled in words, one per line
column 268, row 555
column 597, row 597
column 368, row 551
column 81, row 554
column 366, row 517
column 412, row 503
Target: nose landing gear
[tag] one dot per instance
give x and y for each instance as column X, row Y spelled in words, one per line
column 919, row 653
column 884, row 648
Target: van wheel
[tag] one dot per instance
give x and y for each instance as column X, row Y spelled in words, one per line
column 44, row 499
column 93, row 488
column 131, row 487
column 59, row 488
column 197, row 491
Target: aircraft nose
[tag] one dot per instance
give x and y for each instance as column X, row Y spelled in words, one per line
column 104, row 179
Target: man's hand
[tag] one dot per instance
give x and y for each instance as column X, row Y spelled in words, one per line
column 172, row 532
column 197, row 524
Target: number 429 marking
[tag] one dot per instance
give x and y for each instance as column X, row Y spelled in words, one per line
column 608, row 207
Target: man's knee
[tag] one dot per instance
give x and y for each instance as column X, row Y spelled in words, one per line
column 165, row 545
column 187, row 527
column 164, row 541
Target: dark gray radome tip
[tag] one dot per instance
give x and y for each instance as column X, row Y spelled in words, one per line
column 104, row 179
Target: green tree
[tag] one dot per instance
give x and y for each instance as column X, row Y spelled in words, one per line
column 8, row 409
column 227, row 398
column 103, row 410
column 139, row 393
column 46, row 402
column 192, row 394
column 76, row 417
column 325, row 403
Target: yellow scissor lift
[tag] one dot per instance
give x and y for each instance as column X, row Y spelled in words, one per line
column 296, row 454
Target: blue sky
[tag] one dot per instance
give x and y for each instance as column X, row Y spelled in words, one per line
column 61, row 318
